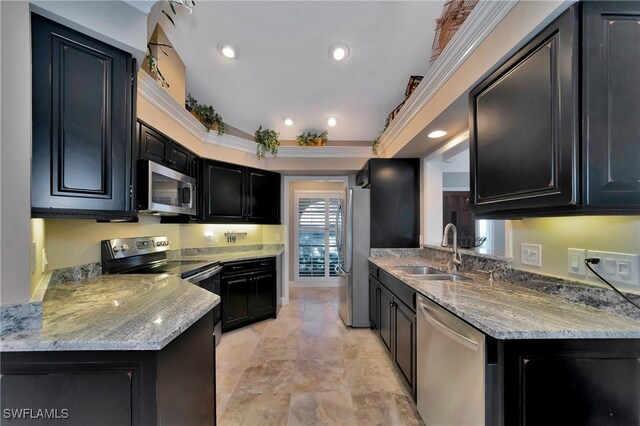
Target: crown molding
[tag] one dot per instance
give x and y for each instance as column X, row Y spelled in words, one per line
column 479, row 24
column 143, row 6
column 150, row 90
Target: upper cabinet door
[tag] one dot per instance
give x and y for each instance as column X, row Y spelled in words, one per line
column 179, row 158
column 523, row 125
column 223, row 189
column 263, row 196
column 153, row 145
column 159, row 148
column 82, row 124
column 611, row 102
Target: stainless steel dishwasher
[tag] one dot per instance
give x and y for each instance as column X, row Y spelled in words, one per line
column 451, row 368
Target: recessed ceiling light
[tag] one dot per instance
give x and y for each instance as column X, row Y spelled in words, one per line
column 288, row 122
column 339, row 52
column 332, row 121
column 437, row 134
column 228, row 50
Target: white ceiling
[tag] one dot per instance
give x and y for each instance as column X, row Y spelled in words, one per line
column 283, row 67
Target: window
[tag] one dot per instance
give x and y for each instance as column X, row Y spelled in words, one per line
column 316, row 230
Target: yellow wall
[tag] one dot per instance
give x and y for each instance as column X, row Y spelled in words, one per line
column 606, row 233
column 77, row 241
column 38, row 236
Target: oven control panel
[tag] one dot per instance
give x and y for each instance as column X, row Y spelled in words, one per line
column 128, row 247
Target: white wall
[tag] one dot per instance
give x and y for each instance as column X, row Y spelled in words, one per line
column 15, row 152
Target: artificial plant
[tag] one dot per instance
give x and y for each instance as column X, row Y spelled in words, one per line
column 267, row 140
column 205, row 114
column 375, row 148
column 312, row 139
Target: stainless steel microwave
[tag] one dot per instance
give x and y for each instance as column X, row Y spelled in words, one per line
column 163, row 191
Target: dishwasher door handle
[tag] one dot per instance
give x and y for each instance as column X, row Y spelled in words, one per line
column 463, row 340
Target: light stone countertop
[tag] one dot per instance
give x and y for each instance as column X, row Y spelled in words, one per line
column 508, row 311
column 114, row 312
column 198, row 254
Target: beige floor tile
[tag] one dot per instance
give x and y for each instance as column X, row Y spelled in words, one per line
column 322, row 329
column 251, row 409
column 284, row 327
column 320, row 348
column 320, row 376
column 325, row 408
column 277, row 348
column 369, row 375
column 307, row 368
column 268, row 376
column 385, row 409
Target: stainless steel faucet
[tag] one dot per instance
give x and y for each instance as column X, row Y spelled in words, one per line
column 457, row 259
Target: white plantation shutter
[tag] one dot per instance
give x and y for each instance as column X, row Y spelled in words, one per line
column 316, row 234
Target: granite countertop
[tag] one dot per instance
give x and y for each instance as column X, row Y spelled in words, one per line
column 114, row 312
column 230, row 256
column 509, row 311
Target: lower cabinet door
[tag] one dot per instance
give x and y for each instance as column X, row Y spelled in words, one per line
column 236, row 297
column 265, row 294
column 374, row 302
column 386, row 309
column 67, row 398
column 404, row 350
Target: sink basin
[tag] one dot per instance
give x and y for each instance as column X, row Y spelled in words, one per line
column 440, row 277
column 418, row 270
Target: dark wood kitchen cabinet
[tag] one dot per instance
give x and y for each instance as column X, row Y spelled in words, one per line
column 263, row 196
column 393, row 318
column 394, row 186
column 249, row 291
column 171, row 386
column 83, row 123
column 231, row 193
column 611, row 104
column 524, row 125
column 555, row 129
column 155, row 146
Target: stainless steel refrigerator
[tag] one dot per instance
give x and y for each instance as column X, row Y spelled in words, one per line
column 353, row 222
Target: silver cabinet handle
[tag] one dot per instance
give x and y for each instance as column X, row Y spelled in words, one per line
column 471, row 344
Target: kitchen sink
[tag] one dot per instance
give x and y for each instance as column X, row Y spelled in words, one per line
column 440, row 277
column 418, row 270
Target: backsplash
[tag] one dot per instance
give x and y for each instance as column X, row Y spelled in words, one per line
column 588, row 294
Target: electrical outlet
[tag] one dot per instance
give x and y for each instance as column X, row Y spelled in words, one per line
column 575, row 261
column 277, row 237
column 617, row 268
column 531, row 254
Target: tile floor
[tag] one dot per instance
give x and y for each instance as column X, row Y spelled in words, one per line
column 307, row 368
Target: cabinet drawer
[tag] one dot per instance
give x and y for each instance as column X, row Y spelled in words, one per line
column 246, row 266
column 399, row 289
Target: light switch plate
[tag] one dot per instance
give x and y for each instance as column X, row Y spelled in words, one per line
column 617, row 268
column 45, row 261
column 531, row 254
column 575, row 262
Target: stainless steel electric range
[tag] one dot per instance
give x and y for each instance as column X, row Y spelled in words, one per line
column 148, row 255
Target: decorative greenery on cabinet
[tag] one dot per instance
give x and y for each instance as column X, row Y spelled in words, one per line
column 312, row 139
column 206, row 114
column 267, row 140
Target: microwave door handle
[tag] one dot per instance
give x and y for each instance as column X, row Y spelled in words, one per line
column 192, row 193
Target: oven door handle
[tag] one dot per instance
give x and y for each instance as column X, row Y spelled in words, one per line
column 204, row 275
